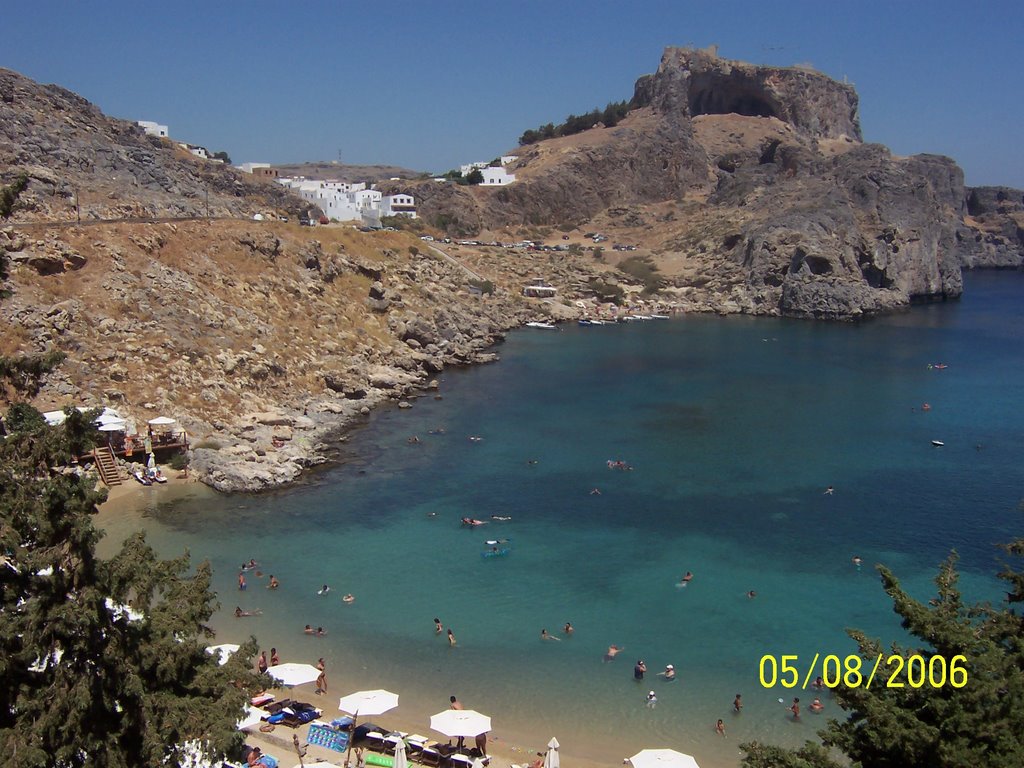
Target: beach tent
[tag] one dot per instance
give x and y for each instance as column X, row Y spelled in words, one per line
column 662, row 758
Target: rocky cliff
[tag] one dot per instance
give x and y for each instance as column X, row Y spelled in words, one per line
column 74, row 155
column 757, row 193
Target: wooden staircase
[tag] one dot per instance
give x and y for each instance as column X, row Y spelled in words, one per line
column 106, row 465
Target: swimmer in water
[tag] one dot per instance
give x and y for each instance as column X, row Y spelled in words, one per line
column 613, row 651
column 856, row 560
column 323, row 590
column 568, row 628
column 669, row 673
column 751, row 594
column 349, row 598
column 720, row 727
column 545, row 636
column 652, row 699
column 438, row 628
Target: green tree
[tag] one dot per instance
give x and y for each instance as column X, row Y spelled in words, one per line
column 83, row 681
column 978, row 725
column 223, row 156
column 474, row 177
column 9, row 195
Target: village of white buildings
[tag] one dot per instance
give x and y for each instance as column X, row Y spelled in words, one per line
column 348, row 201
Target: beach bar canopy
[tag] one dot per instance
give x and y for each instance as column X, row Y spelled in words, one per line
column 662, row 758
column 162, row 421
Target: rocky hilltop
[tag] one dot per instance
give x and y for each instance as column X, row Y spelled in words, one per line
column 753, row 191
column 74, row 155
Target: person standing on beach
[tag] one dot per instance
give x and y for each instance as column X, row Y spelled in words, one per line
column 451, row 637
column 261, row 665
column 321, row 681
column 274, row 658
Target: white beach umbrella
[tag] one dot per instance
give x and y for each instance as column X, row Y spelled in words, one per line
column 662, row 758
column 252, row 717
column 113, row 426
column 224, row 650
column 400, row 761
column 293, row 673
column 161, row 421
column 460, row 722
column 551, row 756
column 368, row 702
column 109, row 416
column 375, row 702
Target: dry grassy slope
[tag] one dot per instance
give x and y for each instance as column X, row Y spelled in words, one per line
column 218, row 319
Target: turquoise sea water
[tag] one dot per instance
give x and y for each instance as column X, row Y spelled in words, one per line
column 733, row 426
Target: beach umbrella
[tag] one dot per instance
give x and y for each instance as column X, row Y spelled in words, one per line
column 460, row 722
column 551, row 756
column 161, row 421
column 662, row 758
column 375, row 702
column 368, row 702
column 224, row 649
column 400, row 761
column 113, row 426
column 293, row 673
column 252, row 717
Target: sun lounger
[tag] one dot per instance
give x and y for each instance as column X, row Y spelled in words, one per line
column 375, row 740
column 429, row 755
column 459, row 760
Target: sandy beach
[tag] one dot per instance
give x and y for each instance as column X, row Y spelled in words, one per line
column 504, row 747
column 502, row 752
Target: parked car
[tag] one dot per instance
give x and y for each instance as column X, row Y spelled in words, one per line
column 428, row 238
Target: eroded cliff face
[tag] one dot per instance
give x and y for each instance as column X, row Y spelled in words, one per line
column 80, row 162
column 757, row 182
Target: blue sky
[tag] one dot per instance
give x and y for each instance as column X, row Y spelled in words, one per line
column 430, row 85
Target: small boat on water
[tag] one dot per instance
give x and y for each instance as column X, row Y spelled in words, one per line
column 659, row 317
column 938, row 443
column 538, row 324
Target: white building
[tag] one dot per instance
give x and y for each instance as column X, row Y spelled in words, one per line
column 153, row 129
column 496, row 177
column 398, row 205
column 250, row 167
column 508, row 159
column 468, row 169
column 345, row 201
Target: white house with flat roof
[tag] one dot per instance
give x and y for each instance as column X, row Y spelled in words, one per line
column 153, row 129
column 398, row 205
column 496, row 177
column 250, row 167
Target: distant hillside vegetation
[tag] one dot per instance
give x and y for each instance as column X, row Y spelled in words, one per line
column 609, row 116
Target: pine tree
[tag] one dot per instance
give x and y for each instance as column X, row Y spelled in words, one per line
column 978, row 725
column 84, row 680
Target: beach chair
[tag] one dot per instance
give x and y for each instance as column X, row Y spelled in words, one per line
column 429, row 754
column 375, row 740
